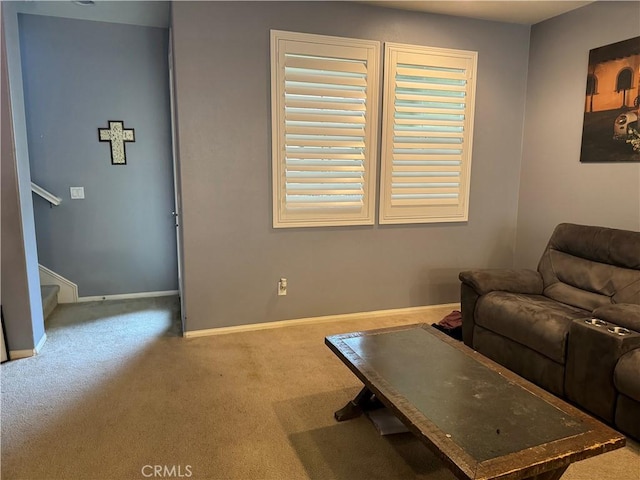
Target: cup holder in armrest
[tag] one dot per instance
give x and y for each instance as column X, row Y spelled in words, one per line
column 619, row 331
column 596, row 322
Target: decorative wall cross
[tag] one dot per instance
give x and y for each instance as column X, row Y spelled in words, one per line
column 117, row 135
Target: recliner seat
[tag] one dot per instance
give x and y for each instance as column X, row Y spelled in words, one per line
column 525, row 319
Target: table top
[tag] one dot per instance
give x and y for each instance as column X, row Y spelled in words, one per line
column 479, row 417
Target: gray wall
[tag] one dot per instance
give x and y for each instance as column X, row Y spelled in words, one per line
column 21, row 299
column 233, row 257
column 554, row 186
column 79, row 74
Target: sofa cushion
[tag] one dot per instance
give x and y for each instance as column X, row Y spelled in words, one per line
column 587, row 284
column 538, row 322
column 625, row 376
column 622, row 314
column 527, row 363
column 599, row 244
column 589, row 267
column 628, row 416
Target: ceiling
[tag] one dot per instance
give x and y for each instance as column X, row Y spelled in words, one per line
column 523, row 11
column 146, row 13
column 156, row 13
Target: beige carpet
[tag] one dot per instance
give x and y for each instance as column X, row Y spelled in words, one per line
column 116, row 392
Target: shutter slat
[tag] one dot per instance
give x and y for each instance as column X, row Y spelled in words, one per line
column 311, row 199
column 418, row 111
column 425, row 191
column 419, row 157
column 326, row 64
column 402, row 169
column 423, row 201
column 322, row 181
column 435, row 132
column 418, row 119
column 328, row 79
column 347, row 132
column 422, row 95
column 425, row 85
column 425, row 73
column 291, row 162
column 427, row 102
column 415, row 88
column 359, row 106
column 399, row 147
column 448, row 120
column 293, row 205
column 310, row 90
column 316, row 168
column 304, row 191
column 325, row 180
column 315, row 117
column 427, row 179
column 448, row 164
column 326, row 143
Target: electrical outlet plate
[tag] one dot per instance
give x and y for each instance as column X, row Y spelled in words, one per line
column 282, row 287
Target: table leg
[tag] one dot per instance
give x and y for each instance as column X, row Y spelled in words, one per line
column 550, row 475
column 356, row 406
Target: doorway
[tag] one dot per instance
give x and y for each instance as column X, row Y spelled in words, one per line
column 114, row 232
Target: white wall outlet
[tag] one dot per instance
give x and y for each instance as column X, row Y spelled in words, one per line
column 77, row 193
column 282, row 286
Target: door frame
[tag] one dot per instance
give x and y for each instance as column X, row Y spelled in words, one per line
column 177, row 190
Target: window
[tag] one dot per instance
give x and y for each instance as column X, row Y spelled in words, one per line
column 324, row 94
column 624, row 81
column 426, row 134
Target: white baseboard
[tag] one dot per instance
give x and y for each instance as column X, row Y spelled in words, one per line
column 68, row 290
column 313, row 320
column 17, row 354
column 126, row 296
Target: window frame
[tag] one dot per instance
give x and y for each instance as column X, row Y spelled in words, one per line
column 411, row 211
column 283, row 42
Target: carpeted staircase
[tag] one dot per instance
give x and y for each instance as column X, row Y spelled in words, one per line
column 49, row 298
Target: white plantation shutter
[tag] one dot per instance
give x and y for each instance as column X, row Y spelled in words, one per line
column 427, row 133
column 324, row 118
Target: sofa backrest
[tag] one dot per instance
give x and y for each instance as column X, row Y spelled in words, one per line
column 589, row 267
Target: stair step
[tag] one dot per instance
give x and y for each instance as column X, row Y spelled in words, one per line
column 49, row 298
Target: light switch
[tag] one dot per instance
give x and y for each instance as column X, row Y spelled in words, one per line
column 77, row 193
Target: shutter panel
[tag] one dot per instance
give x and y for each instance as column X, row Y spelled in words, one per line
column 427, row 133
column 324, row 136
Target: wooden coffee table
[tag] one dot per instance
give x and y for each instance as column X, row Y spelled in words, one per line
column 480, row 419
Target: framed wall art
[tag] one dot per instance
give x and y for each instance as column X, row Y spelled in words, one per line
column 117, row 135
column 610, row 132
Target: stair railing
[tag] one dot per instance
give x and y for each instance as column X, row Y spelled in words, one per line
column 48, row 196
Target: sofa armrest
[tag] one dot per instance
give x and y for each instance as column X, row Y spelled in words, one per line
column 505, row 280
column 476, row 283
column 592, row 354
column 623, row 314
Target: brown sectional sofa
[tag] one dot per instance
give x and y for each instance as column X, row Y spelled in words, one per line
column 540, row 324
